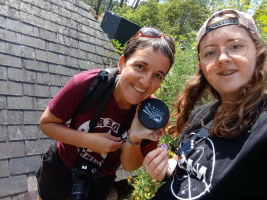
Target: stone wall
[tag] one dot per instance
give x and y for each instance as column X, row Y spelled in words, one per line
column 43, row 43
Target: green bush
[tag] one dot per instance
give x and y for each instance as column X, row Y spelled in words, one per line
column 184, row 66
column 144, row 186
column 118, row 46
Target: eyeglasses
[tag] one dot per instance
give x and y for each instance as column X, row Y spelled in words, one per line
column 155, row 33
column 235, row 49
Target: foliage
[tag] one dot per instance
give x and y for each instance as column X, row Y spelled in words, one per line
column 256, row 8
column 260, row 17
column 105, row 3
column 101, row 9
column 242, row 5
column 144, row 186
column 185, row 65
column 119, row 48
column 174, row 17
column 90, row 2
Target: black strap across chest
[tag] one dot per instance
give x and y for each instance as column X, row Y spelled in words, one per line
column 190, row 145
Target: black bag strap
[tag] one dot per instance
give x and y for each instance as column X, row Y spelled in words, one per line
column 102, row 105
column 190, row 145
column 99, row 86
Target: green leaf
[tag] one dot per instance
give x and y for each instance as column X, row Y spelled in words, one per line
column 265, row 29
column 263, row 17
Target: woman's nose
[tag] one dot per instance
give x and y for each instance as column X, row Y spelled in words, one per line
column 145, row 80
column 223, row 56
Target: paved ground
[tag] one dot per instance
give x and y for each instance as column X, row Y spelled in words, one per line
column 113, row 195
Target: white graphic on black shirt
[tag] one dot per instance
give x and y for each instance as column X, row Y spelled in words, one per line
column 193, row 176
column 88, row 154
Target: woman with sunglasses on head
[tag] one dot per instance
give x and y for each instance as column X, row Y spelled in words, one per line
column 146, row 60
column 222, row 148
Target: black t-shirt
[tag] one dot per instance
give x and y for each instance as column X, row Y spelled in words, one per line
column 221, row 168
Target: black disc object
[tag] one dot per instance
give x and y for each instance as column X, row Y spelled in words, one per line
column 153, row 114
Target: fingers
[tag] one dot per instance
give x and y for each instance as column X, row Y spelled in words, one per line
column 154, row 158
column 151, row 155
column 114, row 138
column 158, row 169
column 156, row 164
column 111, row 143
column 162, row 132
column 115, row 146
column 154, row 136
column 157, row 160
column 161, row 169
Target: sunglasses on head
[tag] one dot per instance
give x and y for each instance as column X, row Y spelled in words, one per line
column 155, row 33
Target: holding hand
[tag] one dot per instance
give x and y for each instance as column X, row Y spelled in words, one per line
column 156, row 164
column 138, row 132
column 103, row 143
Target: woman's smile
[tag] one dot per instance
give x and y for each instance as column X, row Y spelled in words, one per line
column 138, row 89
column 227, row 72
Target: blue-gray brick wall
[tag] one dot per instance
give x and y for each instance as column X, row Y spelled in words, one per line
column 43, row 43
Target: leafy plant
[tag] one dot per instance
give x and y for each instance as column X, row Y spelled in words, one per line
column 118, row 46
column 173, row 17
column 144, row 186
column 184, row 66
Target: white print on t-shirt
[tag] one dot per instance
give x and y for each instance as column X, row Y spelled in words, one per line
column 193, row 176
column 88, row 154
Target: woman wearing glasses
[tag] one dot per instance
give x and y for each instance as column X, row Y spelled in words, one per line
column 146, row 60
column 222, row 150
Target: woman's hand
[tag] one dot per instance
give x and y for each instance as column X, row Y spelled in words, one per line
column 102, row 143
column 156, row 164
column 138, row 132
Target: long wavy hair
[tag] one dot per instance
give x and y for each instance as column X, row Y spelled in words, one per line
column 231, row 117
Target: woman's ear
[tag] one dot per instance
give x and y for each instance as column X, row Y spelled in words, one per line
column 199, row 65
column 121, row 63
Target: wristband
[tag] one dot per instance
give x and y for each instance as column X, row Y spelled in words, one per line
column 129, row 140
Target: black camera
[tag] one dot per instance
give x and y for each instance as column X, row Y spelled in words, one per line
column 83, row 175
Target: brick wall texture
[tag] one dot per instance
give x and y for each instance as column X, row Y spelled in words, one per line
column 43, row 43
